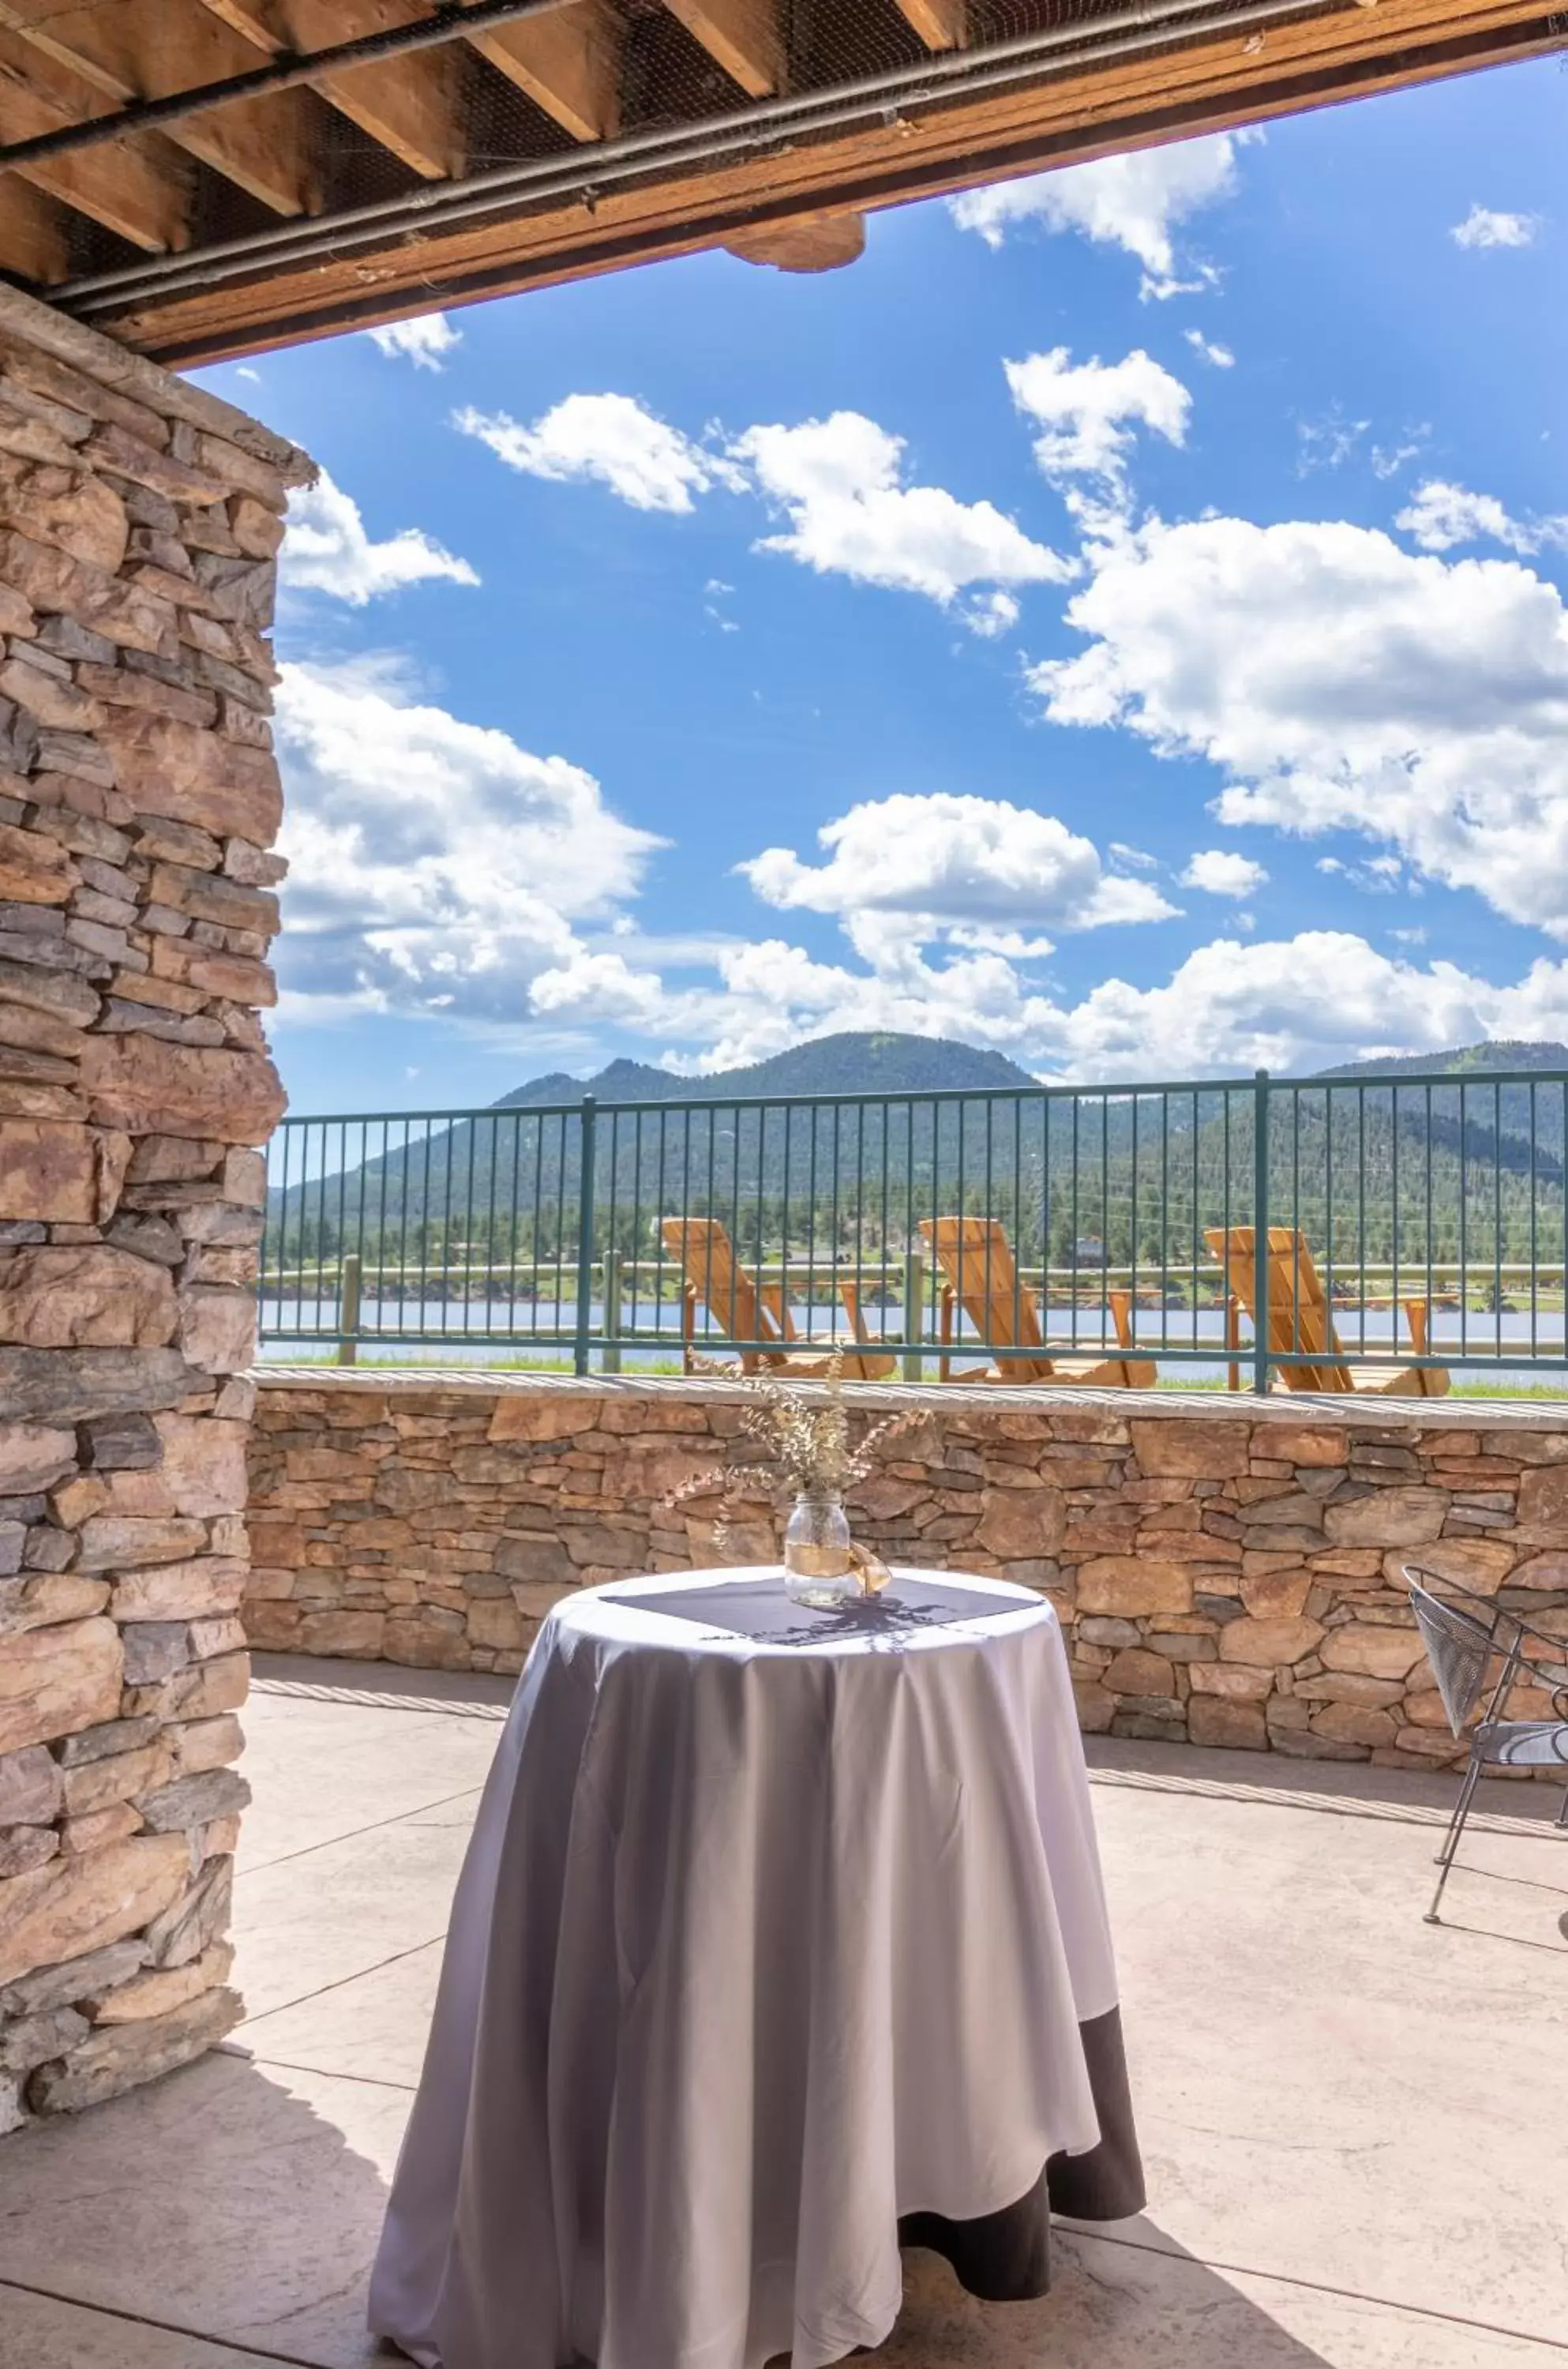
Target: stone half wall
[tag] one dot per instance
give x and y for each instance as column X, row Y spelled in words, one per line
column 138, row 796
column 1227, row 1571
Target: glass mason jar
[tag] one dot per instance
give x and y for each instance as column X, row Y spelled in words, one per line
column 817, row 1566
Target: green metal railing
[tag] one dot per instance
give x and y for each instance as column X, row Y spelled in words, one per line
column 1417, row 1221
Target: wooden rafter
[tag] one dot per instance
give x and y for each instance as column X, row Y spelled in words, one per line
column 568, row 63
column 149, row 49
column 941, row 24
column 138, row 187
column 745, row 36
column 413, row 105
column 35, row 231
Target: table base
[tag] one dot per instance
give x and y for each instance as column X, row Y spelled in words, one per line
column 1005, row 2257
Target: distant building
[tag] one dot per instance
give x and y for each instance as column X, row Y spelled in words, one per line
column 1088, row 1251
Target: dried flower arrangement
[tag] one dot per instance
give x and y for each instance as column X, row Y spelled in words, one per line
column 801, row 1444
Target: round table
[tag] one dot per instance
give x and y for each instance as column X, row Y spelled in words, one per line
column 780, row 1942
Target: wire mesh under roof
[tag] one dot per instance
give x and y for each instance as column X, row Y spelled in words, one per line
column 205, row 178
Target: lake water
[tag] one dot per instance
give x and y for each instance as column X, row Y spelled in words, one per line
column 304, row 1330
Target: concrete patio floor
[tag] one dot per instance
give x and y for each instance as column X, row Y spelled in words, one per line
column 1356, row 2124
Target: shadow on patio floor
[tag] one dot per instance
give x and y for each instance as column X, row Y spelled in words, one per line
column 225, row 2203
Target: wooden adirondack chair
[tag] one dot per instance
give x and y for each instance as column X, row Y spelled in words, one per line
column 747, row 1310
column 1301, row 1321
column 981, row 1277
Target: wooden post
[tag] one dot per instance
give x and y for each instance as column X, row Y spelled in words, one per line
column 349, row 1310
column 914, row 1314
column 610, row 1362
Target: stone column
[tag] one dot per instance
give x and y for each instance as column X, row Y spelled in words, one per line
column 139, row 796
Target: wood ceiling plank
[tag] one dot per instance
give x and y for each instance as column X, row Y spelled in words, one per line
column 941, row 24
column 745, row 36
column 151, row 49
column 413, row 105
column 140, row 188
column 257, row 19
column 568, row 63
column 35, row 233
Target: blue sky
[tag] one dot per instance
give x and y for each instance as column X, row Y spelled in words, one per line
column 1149, row 578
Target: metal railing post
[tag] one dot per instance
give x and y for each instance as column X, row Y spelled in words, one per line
column 1260, row 1232
column 609, row 1360
column 914, row 1313
column 585, row 1237
column 348, row 1292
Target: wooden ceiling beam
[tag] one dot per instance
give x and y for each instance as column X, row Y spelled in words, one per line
column 745, row 36
column 35, row 233
column 140, row 189
column 941, row 24
column 803, row 243
column 154, row 49
column 412, row 105
column 568, row 63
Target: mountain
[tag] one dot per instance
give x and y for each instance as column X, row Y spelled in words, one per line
column 1468, row 1159
column 509, row 1174
column 1465, row 1061
column 1517, row 1125
column 856, row 1062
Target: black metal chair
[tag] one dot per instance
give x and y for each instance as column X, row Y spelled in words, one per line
column 1462, row 1641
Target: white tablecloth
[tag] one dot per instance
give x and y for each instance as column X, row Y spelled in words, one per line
column 776, row 1926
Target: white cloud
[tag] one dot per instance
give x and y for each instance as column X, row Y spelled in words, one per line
column 1439, row 516
column 1135, row 201
column 772, row 994
column 1212, row 351
column 1341, row 682
column 1484, row 227
column 990, row 614
column 1296, row 1004
column 327, row 549
column 1328, row 442
column 434, row 865
column 1136, row 859
column 599, row 991
column 909, row 867
column 1388, row 460
column 1223, row 874
column 423, row 340
column 1088, row 410
column 838, row 482
column 1231, row 1006
column 611, row 440
column 1378, row 877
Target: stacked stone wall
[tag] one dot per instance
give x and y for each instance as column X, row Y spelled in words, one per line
column 139, row 796
column 1226, row 1571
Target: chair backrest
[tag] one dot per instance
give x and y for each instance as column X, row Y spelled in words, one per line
column 716, row 1276
column 977, row 1258
column 1460, row 1647
column 1299, row 1322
